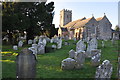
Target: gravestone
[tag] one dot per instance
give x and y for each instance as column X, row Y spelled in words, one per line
column 95, row 57
column 30, row 41
column 68, row 64
column 35, row 45
column 51, row 41
column 74, row 39
column 54, row 46
column 34, row 41
column 93, row 44
column 80, row 46
column 15, row 47
column 80, row 59
column 41, row 48
column 34, row 48
column 71, row 53
column 66, row 43
column 26, row 64
column 104, row 70
column 59, row 44
column 103, row 44
column 44, row 42
column 20, row 44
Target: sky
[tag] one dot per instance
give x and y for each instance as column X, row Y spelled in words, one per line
column 86, row 8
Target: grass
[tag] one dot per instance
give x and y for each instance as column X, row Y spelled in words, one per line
column 49, row 64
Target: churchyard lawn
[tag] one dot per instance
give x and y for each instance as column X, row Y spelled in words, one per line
column 49, row 64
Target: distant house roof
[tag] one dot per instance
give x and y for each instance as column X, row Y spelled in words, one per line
column 64, row 29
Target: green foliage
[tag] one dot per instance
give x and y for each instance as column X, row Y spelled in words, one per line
column 117, row 28
column 33, row 17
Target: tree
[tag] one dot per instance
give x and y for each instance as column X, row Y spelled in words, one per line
column 32, row 17
column 117, row 28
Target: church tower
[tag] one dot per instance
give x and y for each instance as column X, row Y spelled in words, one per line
column 65, row 17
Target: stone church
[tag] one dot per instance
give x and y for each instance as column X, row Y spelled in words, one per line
column 84, row 27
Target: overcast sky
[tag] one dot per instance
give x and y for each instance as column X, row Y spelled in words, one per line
column 86, row 8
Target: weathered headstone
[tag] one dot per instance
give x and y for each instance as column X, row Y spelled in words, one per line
column 93, row 44
column 103, row 44
column 80, row 46
column 34, row 41
column 26, row 64
column 44, row 42
column 20, row 44
column 104, row 70
column 15, row 47
column 54, row 46
column 30, row 41
column 41, row 48
column 80, row 59
column 59, row 44
column 51, row 41
column 71, row 53
column 95, row 57
column 68, row 64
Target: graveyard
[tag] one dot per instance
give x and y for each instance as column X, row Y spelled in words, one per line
column 34, row 47
column 49, row 64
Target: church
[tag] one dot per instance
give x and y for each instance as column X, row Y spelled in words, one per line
column 84, row 27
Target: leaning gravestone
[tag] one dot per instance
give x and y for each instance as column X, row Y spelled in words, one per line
column 15, row 47
column 26, row 64
column 20, row 44
column 30, row 41
column 71, row 53
column 80, row 59
column 68, row 64
column 95, row 57
column 104, row 70
column 80, row 46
